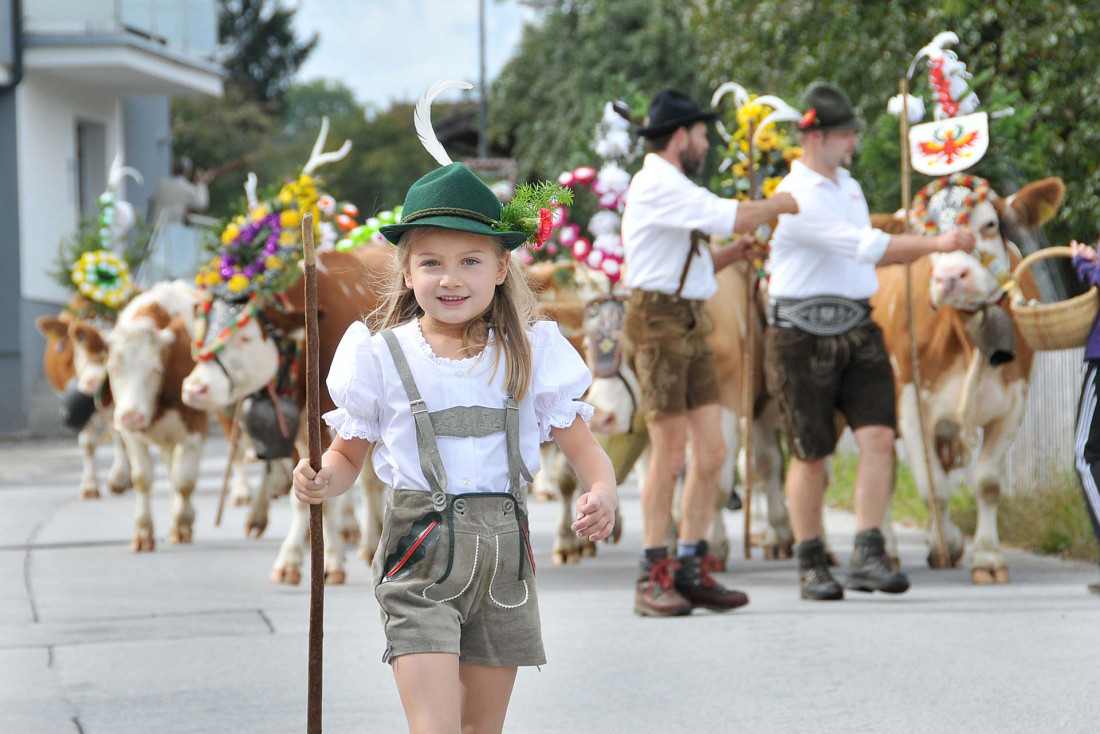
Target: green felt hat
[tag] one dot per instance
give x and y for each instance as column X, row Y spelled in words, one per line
column 452, row 197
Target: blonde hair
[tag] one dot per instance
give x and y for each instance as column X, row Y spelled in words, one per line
column 511, row 313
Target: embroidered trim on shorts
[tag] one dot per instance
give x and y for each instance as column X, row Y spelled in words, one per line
column 526, row 589
column 473, row 572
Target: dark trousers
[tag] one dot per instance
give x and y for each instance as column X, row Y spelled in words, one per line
column 1086, row 442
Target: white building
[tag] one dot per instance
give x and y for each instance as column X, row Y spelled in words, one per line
column 80, row 80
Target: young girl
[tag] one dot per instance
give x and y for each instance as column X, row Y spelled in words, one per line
column 456, row 389
column 1086, row 457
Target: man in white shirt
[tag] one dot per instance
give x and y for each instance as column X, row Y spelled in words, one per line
column 823, row 354
column 176, row 197
column 671, row 274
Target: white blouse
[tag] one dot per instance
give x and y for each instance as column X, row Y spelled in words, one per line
column 372, row 403
column 663, row 206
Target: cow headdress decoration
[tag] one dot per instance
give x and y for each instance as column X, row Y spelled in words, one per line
column 260, row 250
column 97, row 260
column 958, row 137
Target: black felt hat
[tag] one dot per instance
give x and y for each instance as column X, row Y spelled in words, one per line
column 827, row 108
column 672, row 109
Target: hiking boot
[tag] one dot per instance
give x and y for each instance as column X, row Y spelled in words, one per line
column 655, row 594
column 870, row 568
column 694, row 582
column 813, row 568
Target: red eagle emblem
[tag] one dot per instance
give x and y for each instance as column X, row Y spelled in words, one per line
column 949, row 147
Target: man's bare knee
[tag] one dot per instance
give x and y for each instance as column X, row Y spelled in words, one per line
column 875, row 440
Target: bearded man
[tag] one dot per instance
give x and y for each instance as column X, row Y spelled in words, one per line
column 671, row 274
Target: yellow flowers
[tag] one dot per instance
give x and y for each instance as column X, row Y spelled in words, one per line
column 288, row 219
column 767, row 141
column 259, row 213
column 770, row 183
column 792, row 153
column 273, row 263
column 237, row 283
column 208, row 277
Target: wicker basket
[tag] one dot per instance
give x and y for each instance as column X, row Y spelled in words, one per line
column 1060, row 325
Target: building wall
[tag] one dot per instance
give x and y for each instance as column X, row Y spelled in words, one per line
column 13, row 408
column 48, row 111
column 147, row 137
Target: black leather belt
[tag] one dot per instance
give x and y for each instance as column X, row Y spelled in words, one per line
column 819, row 315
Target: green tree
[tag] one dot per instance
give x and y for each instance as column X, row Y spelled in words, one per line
column 547, row 100
column 1027, row 55
column 262, row 54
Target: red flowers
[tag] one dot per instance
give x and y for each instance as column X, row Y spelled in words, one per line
column 546, row 224
column 809, row 117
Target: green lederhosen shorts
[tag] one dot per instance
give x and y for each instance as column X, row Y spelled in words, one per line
column 458, row 581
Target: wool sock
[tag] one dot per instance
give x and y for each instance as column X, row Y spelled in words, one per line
column 655, row 554
column 686, row 549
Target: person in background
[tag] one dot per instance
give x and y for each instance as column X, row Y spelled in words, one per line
column 1086, row 454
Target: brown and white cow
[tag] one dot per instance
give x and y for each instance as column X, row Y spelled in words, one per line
column 961, row 391
column 149, row 354
column 250, row 360
column 63, row 353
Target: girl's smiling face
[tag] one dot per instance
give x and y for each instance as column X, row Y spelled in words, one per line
column 454, row 275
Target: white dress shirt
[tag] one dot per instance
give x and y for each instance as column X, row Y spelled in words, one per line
column 663, row 206
column 372, row 403
column 829, row 247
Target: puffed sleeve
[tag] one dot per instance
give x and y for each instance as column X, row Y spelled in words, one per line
column 353, row 382
column 559, row 378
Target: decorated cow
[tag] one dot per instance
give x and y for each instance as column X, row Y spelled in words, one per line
column 974, row 366
column 250, row 338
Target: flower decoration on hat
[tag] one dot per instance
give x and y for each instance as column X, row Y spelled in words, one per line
column 809, row 117
column 531, row 211
column 260, row 249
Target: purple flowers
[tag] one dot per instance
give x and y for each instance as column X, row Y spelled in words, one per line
column 257, row 241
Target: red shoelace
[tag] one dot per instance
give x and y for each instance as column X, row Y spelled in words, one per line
column 660, row 575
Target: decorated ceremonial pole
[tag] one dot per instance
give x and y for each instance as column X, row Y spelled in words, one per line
column 914, row 356
column 316, row 539
column 748, row 363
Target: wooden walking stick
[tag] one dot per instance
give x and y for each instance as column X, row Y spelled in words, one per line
column 914, row 357
column 316, row 539
column 234, row 439
column 748, row 379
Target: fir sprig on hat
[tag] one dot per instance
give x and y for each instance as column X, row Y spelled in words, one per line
column 531, row 210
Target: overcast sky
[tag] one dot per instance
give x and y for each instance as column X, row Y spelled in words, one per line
column 387, row 50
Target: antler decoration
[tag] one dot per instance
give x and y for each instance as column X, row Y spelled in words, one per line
column 781, row 112
column 119, row 171
column 317, row 158
column 250, row 185
column 422, row 119
column 740, row 98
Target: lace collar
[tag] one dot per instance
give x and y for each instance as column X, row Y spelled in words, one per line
column 426, row 348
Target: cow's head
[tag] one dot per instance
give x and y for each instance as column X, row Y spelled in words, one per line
column 967, row 281
column 248, row 359
column 136, row 354
column 89, row 356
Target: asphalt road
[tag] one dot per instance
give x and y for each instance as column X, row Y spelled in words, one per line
column 96, row 639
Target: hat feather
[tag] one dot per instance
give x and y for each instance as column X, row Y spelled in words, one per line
column 422, row 119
